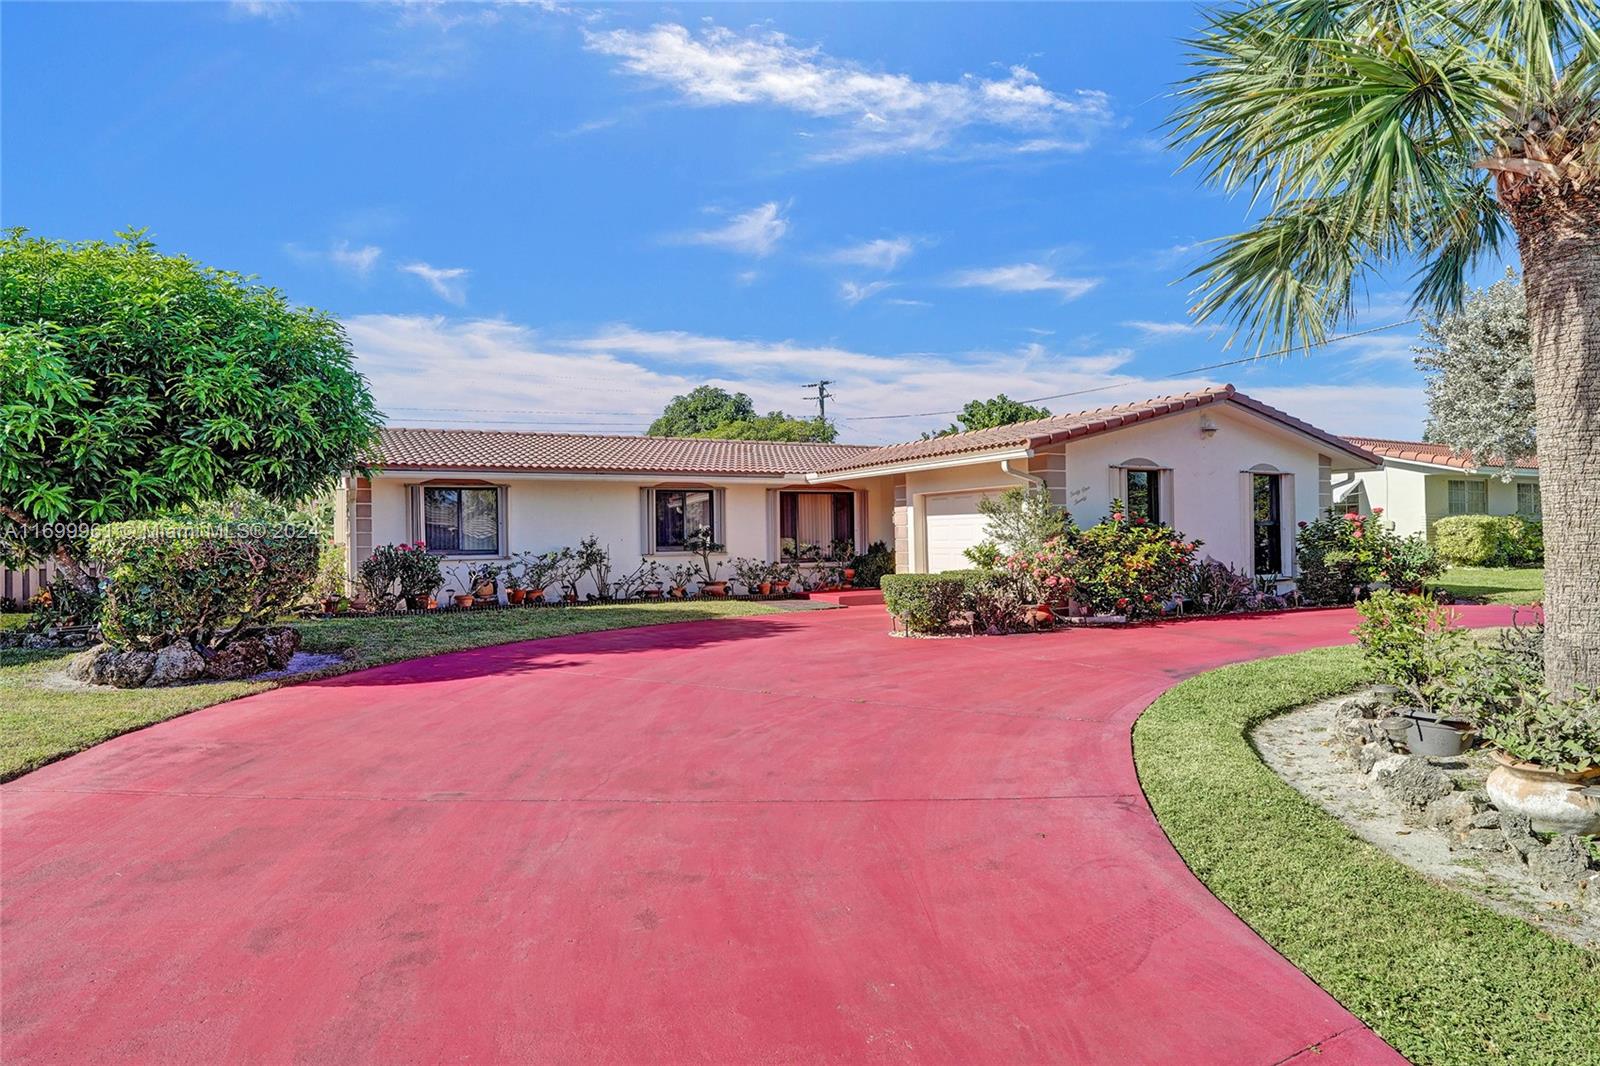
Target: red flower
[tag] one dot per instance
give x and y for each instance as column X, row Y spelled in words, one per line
column 1302, row 525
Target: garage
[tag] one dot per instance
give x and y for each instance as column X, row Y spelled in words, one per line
column 953, row 525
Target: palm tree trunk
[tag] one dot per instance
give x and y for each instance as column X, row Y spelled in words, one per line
column 1559, row 235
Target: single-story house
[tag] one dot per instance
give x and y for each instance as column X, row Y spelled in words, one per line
column 1420, row 483
column 1215, row 464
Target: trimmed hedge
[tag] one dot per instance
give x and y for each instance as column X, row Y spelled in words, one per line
column 925, row 603
column 1489, row 540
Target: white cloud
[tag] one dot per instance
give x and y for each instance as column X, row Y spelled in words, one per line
column 884, row 254
column 1174, row 329
column 875, row 112
column 448, row 283
column 263, row 9
column 853, row 293
column 754, row 232
column 356, row 260
column 1025, row 277
column 424, row 369
column 1364, row 409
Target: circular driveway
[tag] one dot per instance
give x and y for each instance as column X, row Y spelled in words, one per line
column 789, row 838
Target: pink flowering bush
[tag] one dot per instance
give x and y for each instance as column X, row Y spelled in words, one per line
column 1342, row 555
column 1128, row 566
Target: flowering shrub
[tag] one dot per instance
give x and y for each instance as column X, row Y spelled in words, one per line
column 407, row 570
column 1341, row 555
column 1042, row 575
column 1414, row 643
column 1128, row 566
column 207, row 583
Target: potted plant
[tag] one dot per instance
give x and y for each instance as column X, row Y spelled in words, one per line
column 701, row 543
column 594, row 560
column 751, row 573
column 1413, row 643
column 483, row 579
column 513, row 575
column 681, row 578
column 418, row 572
column 539, row 571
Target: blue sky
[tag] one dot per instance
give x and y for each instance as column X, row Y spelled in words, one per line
column 533, row 216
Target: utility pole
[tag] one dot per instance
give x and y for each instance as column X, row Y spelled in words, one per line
column 823, row 395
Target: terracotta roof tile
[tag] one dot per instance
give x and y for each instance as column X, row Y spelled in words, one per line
column 1046, row 431
column 1417, row 451
column 478, row 449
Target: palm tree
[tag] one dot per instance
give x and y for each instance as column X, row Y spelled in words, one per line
column 1384, row 132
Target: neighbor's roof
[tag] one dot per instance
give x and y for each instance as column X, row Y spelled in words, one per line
column 1042, row 432
column 505, row 452
column 1416, row 451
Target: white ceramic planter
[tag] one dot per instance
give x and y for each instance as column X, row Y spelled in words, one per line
column 1554, row 802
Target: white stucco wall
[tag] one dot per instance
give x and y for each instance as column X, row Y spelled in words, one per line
column 546, row 513
column 1208, row 489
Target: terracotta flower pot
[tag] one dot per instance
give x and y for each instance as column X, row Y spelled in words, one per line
column 463, row 599
column 766, row 588
column 849, row 575
column 780, row 587
column 652, row 594
column 515, row 596
column 569, row 597
column 1554, row 801
column 714, row 588
column 433, row 604
column 679, row 593
column 485, row 591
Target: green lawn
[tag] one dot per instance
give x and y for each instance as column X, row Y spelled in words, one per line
column 1493, row 584
column 41, row 722
column 1442, row 978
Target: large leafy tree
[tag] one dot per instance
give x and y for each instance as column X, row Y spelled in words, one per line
column 133, row 383
column 709, row 411
column 991, row 414
column 1480, row 376
column 1401, row 132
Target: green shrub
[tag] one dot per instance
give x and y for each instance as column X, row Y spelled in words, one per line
column 1414, row 643
column 65, row 603
column 202, row 581
column 925, row 603
column 873, row 565
column 1488, row 540
column 1127, row 565
column 1343, row 554
column 332, row 579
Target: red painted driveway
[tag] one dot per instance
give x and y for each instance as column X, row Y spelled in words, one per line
column 780, row 839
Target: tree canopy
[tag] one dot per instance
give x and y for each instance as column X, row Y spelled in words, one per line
column 1480, row 376
column 133, row 382
column 988, row 414
column 712, row 412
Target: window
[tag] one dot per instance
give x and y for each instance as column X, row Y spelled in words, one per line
column 461, row 521
column 1267, row 507
column 817, row 518
column 1528, row 503
column 680, row 513
column 1144, row 494
column 1468, row 497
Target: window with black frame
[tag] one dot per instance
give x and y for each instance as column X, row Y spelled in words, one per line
column 1144, row 495
column 817, row 519
column 1267, row 505
column 461, row 521
column 680, row 513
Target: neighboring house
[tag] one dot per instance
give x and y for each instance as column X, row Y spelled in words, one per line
column 1214, row 464
column 1421, row 483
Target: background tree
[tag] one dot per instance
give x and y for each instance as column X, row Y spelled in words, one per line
column 1414, row 131
column 712, row 412
column 133, row 383
column 1480, row 384
column 988, row 414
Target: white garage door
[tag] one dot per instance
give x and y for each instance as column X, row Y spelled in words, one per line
column 953, row 525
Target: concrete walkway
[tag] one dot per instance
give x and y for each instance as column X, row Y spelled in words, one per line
column 783, row 839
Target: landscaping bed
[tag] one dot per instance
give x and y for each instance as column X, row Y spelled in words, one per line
column 41, row 720
column 1438, row 975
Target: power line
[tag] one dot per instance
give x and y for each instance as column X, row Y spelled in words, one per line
column 1175, row 373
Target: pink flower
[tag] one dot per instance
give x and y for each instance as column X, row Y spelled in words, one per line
column 1352, row 518
column 1117, row 517
column 1377, row 510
